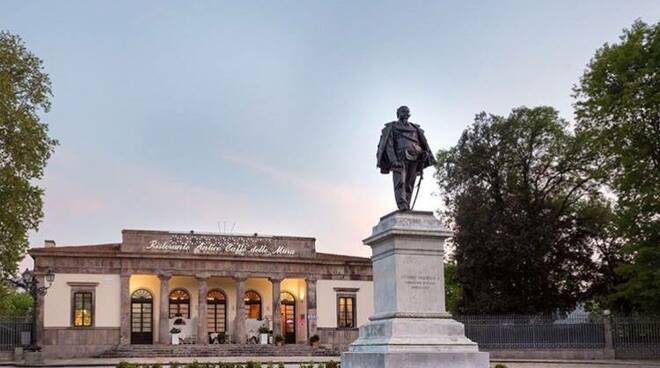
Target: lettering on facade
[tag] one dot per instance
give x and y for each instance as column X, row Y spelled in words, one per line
column 229, row 245
column 420, row 281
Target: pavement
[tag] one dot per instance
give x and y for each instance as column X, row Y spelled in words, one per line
column 294, row 362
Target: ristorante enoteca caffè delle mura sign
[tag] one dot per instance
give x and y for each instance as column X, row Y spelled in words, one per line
column 227, row 245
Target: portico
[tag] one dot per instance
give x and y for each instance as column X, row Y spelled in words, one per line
column 214, row 304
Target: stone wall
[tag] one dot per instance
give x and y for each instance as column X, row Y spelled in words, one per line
column 67, row 342
column 338, row 339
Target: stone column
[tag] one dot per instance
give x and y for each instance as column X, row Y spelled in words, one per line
column 239, row 320
column 124, row 309
column 202, row 335
column 610, row 353
column 410, row 326
column 163, row 319
column 311, row 307
column 277, row 289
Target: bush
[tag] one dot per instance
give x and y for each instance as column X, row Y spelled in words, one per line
column 500, row 366
column 251, row 364
column 331, row 364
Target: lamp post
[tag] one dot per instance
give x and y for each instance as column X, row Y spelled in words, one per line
column 29, row 282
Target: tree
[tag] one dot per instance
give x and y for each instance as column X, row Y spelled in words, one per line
column 14, row 302
column 452, row 288
column 25, row 146
column 618, row 110
column 521, row 197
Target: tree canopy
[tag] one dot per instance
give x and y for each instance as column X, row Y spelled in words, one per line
column 25, row 92
column 618, row 110
column 521, row 196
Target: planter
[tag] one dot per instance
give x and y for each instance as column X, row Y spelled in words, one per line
column 175, row 339
column 263, row 339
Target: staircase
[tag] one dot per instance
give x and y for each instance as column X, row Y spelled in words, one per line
column 215, row 350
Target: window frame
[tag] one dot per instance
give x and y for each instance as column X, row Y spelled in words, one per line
column 83, row 288
column 352, row 296
column 178, row 303
column 250, row 302
column 214, row 304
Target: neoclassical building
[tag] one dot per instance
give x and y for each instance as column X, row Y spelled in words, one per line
column 210, row 287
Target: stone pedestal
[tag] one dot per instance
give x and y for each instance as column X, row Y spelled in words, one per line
column 410, row 326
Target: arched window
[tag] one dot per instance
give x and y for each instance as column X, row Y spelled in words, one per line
column 216, row 311
column 252, row 305
column 179, row 303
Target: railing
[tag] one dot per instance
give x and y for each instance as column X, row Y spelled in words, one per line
column 636, row 337
column 11, row 329
column 533, row 332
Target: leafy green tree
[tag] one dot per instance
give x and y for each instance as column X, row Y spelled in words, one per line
column 14, row 302
column 618, row 110
column 520, row 195
column 452, row 288
column 25, row 146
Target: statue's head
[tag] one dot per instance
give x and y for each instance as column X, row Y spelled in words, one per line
column 403, row 113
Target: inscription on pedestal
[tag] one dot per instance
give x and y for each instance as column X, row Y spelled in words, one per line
column 420, row 281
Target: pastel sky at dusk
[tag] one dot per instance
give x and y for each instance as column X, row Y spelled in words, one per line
column 264, row 116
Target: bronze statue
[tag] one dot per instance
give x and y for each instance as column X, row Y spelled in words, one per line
column 403, row 149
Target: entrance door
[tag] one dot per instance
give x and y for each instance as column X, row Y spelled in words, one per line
column 141, row 317
column 288, row 317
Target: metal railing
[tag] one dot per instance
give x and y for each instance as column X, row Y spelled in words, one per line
column 534, row 332
column 636, row 337
column 14, row 330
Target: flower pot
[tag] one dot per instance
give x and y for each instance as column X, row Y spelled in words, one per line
column 263, row 339
column 175, row 339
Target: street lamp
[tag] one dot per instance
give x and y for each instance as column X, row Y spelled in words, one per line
column 30, row 283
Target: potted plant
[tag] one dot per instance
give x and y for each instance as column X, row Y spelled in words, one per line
column 175, row 335
column 263, row 335
column 315, row 341
column 279, row 340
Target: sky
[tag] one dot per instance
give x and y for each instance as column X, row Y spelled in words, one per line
column 264, row 116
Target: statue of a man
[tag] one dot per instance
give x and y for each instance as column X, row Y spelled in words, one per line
column 403, row 149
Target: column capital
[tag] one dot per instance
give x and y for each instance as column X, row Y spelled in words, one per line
column 202, row 276
column 165, row 276
column 276, row 278
column 240, row 278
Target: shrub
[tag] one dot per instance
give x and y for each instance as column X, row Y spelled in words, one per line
column 501, row 366
column 331, row 364
column 251, row 364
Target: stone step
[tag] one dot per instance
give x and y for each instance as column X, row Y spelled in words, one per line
column 147, row 351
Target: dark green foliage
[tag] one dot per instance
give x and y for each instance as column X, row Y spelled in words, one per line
column 331, row 364
column 25, row 92
column 618, row 110
column 452, row 288
column 14, row 302
column 520, row 194
column 500, row 366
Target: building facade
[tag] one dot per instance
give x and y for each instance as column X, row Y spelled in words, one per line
column 213, row 288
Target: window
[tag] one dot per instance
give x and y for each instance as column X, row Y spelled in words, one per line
column 252, row 305
column 179, row 303
column 346, row 311
column 216, row 311
column 83, row 308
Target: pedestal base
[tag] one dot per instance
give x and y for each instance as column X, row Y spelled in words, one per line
column 414, row 359
column 33, row 358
